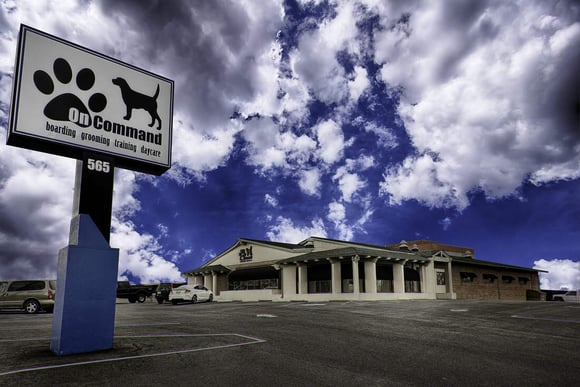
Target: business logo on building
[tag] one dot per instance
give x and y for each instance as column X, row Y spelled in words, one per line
column 68, row 99
column 246, row 254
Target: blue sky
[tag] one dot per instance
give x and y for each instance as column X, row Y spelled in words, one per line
column 371, row 121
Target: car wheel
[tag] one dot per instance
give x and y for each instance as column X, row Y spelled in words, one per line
column 210, row 299
column 174, row 302
column 31, row 306
column 141, row 298
column 194, row 298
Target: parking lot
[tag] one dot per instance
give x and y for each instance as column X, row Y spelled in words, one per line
column 309, row 344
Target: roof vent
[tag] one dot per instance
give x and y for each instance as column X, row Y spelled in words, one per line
column 468, row 253
column 403, row 246
column 414, row 247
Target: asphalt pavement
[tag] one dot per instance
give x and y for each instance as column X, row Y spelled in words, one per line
column 390, row 343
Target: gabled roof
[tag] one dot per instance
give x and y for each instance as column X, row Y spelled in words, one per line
column 244, row 241
column 289, row 246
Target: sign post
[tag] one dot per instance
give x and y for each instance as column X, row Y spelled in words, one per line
column 70, row 101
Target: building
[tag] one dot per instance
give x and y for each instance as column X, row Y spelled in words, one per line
column 320, row 269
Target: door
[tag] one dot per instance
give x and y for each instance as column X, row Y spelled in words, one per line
column 441, row 279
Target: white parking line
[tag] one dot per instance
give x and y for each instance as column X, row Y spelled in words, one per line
column 253, row 340
column 145, row 324
column 545, row 319
column 44, row 326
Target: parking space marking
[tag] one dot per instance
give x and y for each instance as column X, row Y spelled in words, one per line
column 266, row 315
column 545, row 319
column 145, row 324
column 252, row 340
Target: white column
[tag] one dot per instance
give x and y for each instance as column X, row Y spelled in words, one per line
column 428, row 279
column 302, row 278
column 449, row 278
column 288, row 280
column 336, row 275
column 371, row 275
column 355, row 279
column 208, row 281
column 399, row 277
column 214, row 283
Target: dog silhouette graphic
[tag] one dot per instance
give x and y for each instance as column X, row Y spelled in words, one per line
column 136, row 100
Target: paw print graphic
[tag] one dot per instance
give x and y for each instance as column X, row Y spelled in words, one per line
column 67, row 106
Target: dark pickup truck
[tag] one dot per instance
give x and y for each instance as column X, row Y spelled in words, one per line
column 133, row 293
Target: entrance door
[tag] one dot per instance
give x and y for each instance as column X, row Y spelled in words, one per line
column 441, row 281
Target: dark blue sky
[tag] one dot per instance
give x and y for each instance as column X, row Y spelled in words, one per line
column 356, row 120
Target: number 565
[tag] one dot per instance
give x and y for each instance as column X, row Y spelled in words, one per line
column 98, row 165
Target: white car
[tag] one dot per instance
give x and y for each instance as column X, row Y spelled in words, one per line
column 570, row 296
column 190, row 293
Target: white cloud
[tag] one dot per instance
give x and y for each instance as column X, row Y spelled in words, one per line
column 337, row 215
column 387, row 139
column 309, row 182
column 195, row 152
column 346, row 225
column 479, row 90
column 331, row 141
column 139, row 254
column 445, row 223
column 359, row 83
column 271, row 148
column 285, row 231
column 348, row 183
column 562, row 274
column 271, row 200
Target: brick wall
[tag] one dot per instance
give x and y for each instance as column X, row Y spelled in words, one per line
column 495, row 290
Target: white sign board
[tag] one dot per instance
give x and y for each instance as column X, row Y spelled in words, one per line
column 68, row 100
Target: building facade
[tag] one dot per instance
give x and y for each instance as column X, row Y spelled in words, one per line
column 320, row 269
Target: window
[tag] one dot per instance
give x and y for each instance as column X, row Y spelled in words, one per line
column 271, row 283
column 507, row 279
column 18, row 286
column 440, row 278
column 322, row 286
column 384, row 286
column 412, row 280
column 489, row 278
column 523, row 280
column 467, row 276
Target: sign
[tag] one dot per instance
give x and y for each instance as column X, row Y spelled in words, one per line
column 67, row 100
column 246, row 254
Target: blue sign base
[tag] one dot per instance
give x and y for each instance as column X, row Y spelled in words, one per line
column 84, row 311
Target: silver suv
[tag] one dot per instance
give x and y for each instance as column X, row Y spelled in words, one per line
column 30, row 295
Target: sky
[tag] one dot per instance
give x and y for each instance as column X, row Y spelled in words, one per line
column 369, row 121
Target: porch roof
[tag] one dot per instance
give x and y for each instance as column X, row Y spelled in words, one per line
column 362, row 252
column 207, row 269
